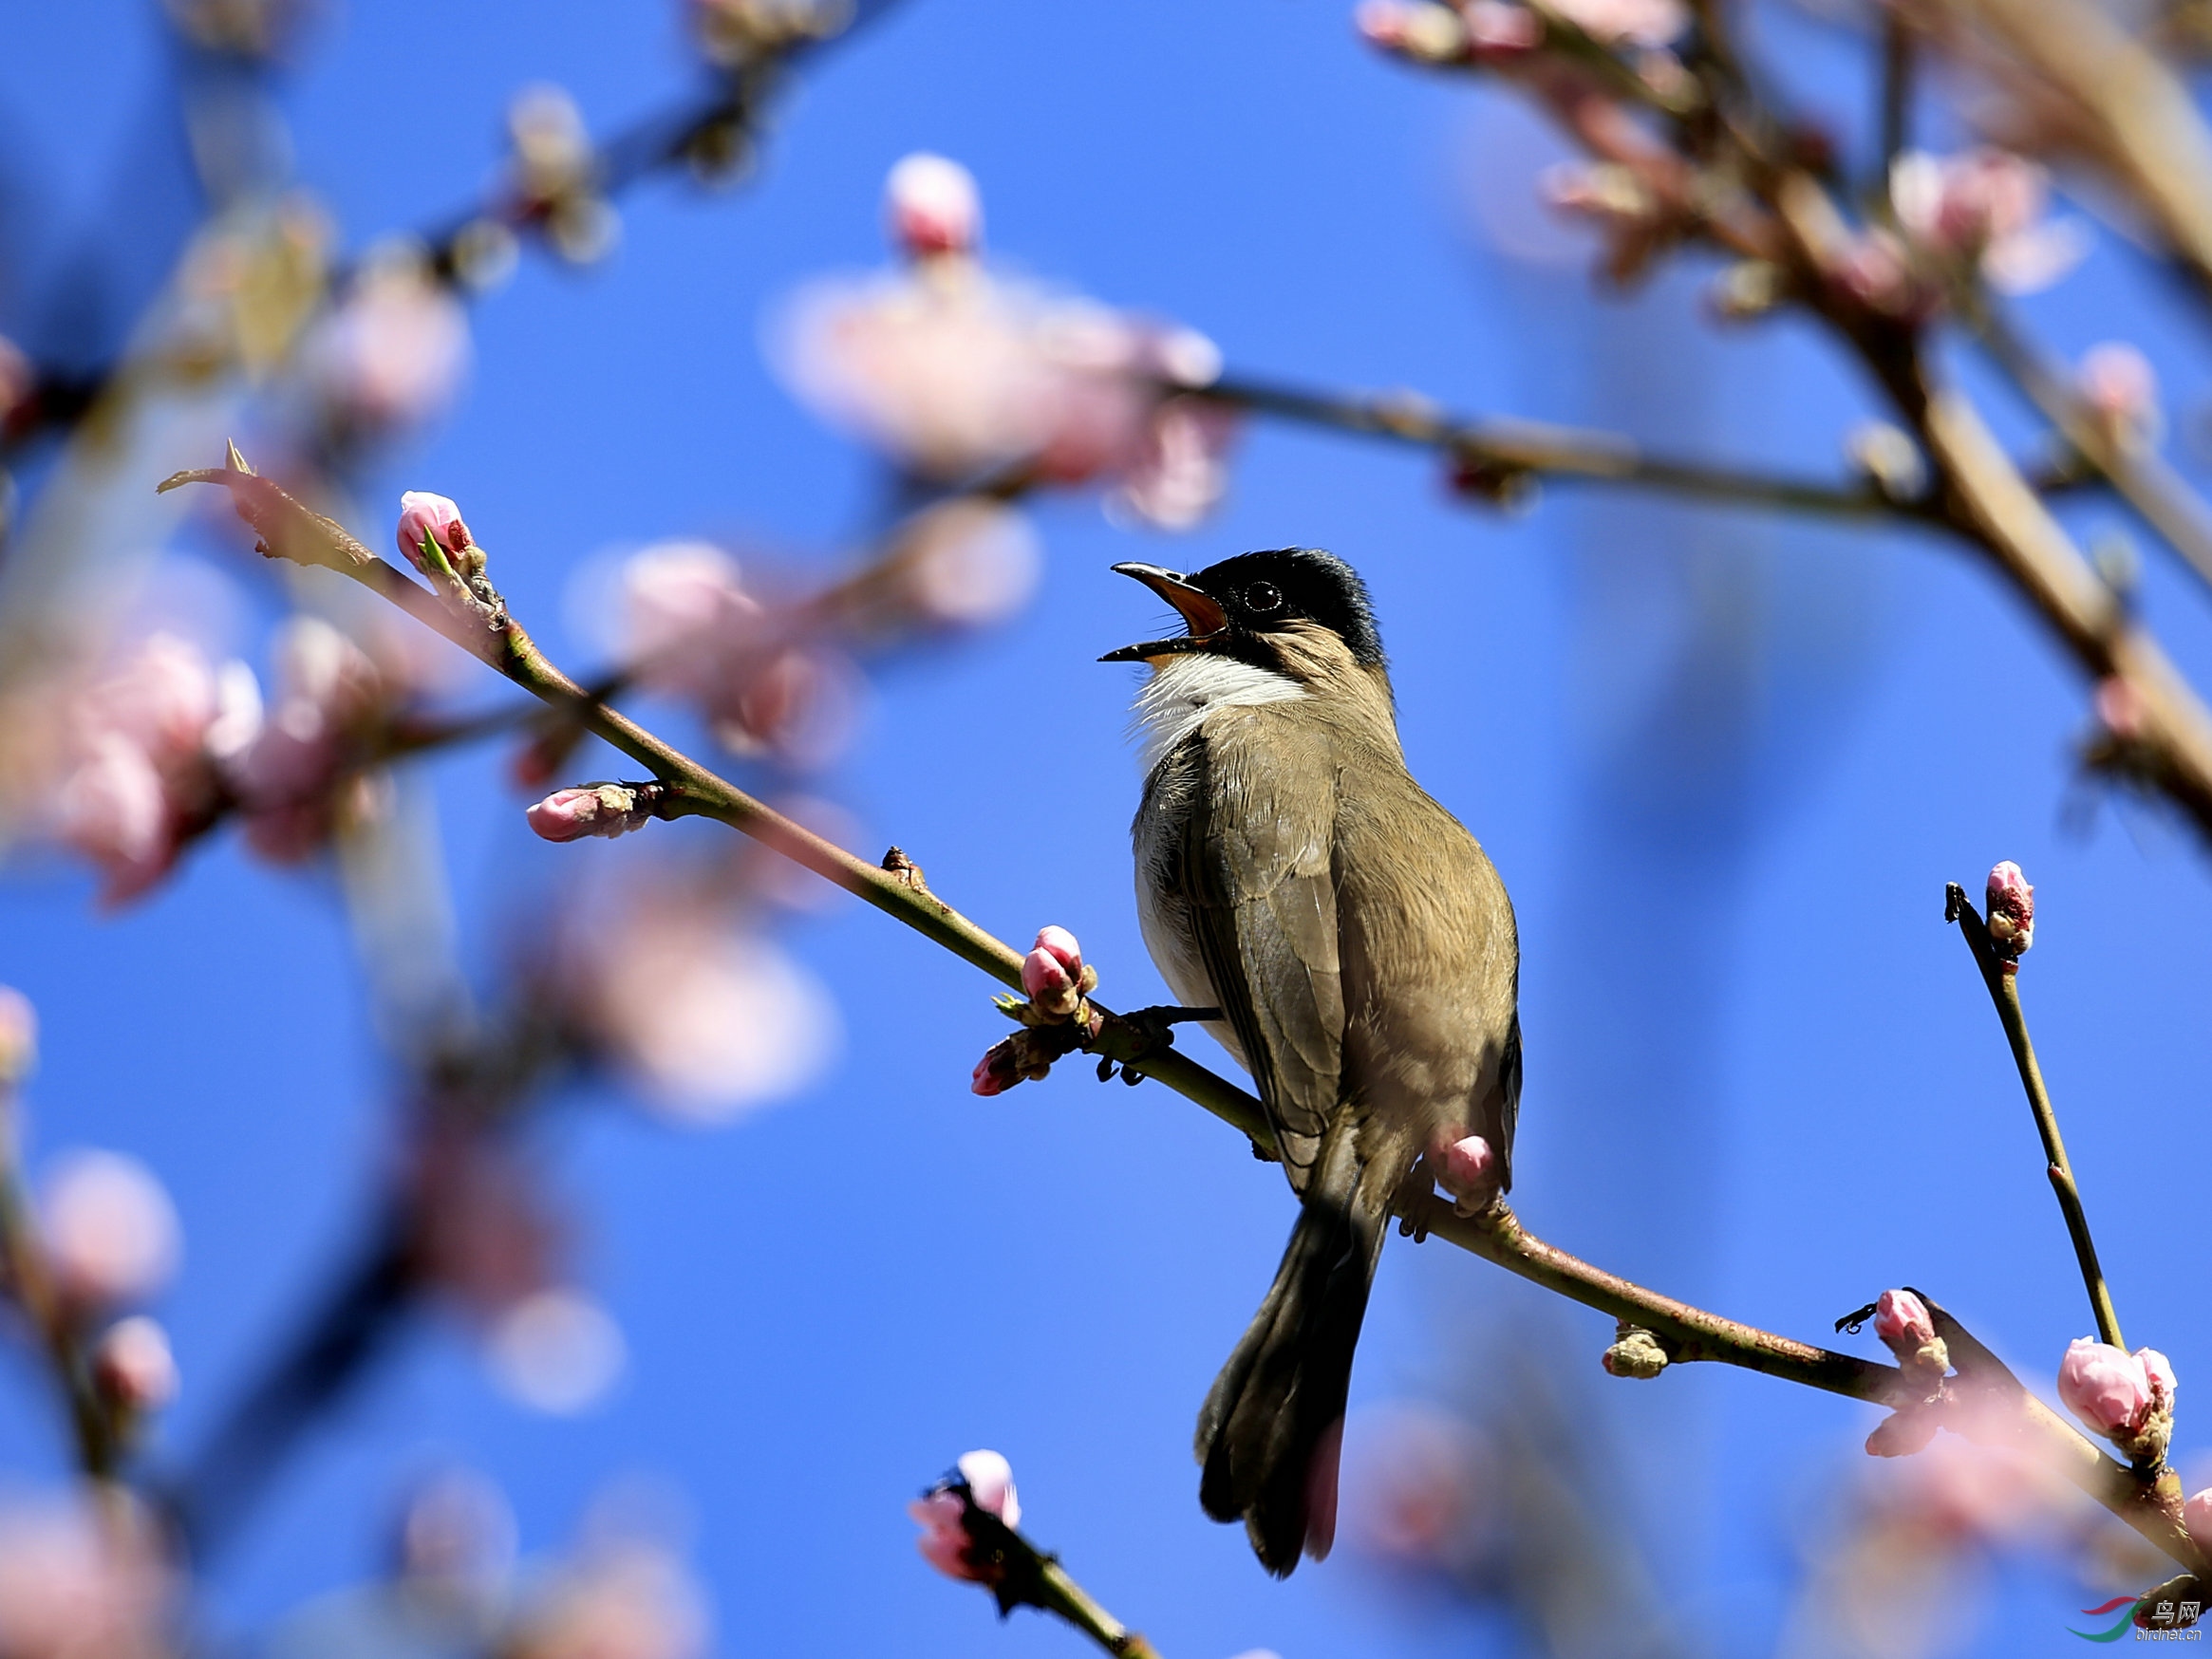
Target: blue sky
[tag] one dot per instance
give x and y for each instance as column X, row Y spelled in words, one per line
column 1726, row 763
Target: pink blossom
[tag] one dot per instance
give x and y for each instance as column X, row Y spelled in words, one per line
column 1044, row 975
column 133, row 1364
column 1902, row 1433
column 1985, row 205
column 1496, row 29
column 2197, row 1517
column 997, row 1071
column 436, row 519
column 2011, row 903
column 1180, row 473
column 77, row 1584
column 1426, row 33
column 114, row 809
column 110, row 1231
column 18, row 1037
column 162, row 699
column 2121, row 388
column 557, row 1350
column 391, row 353
column 934, row 206
column 990, row 1485
column 571, row 815
column 1901, row 1320
column 2114, row 1393
column 1467, row 1169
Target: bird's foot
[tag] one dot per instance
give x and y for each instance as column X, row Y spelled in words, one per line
column 1153, row 1031
column 1420, row 1182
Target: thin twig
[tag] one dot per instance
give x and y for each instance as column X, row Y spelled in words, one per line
column 1897, row 88
column 1521, row 448
column 2004, row 990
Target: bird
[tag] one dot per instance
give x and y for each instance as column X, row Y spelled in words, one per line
column 1350, row 944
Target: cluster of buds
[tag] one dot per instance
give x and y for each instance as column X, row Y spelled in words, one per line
column 595, row 809
column 982, row 1483
column 1465, row 1167
column 555, row 175
column 2129, row 1398
column 437, row 541
column 960, row 373
column 2011, row 906
column 1053, row 1014
column 110, row 1236
column 1901, row 1320
column 1498, row 32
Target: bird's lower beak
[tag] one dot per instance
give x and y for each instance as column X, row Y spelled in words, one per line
column 1200, row 611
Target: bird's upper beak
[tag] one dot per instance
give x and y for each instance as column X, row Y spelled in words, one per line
column 1201, row 612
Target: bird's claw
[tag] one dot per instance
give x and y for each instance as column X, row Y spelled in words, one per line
column 1420, row 1182
column 1154, row 1031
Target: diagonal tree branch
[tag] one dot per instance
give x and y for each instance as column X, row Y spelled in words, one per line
column 291, row 530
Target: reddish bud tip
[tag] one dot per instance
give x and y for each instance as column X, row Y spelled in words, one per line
column 2011, row 910
column 934, row 206
column 435, row 517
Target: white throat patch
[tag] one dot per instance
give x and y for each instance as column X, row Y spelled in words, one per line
column 1187, row 688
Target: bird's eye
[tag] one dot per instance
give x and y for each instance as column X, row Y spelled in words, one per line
column 1262, row 597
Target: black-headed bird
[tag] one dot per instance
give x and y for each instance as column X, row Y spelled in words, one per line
column 1360, row 950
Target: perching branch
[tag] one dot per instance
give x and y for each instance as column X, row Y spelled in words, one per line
column 291, row 530
column 1021, row 1574
column 1997, row 973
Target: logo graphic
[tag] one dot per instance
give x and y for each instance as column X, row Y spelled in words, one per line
column 2166, row 1618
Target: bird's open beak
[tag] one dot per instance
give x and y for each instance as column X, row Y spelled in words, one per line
column 1202, row 614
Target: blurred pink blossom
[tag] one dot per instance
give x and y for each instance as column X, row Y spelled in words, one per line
column 139, row 746
column 557, row 1350
column 712, row 1019
column 958, row 372
column 1180, row 472
column 18, row 1037
column 80, row 1584
column 2114, row 1393
column 392, row 351
column 2120, row 707
column 437, row 518
column 990, row 1484
column 1988, row 206
column 966, row 563
column 1902, row 1433
column 1414, row 1488
column 110, row 1231
column 690, row 628
column 622, row 1598
column 133, row 1365
column 1467, row 1169
column 289, row 781
column 458, row 1531
column 934, row 206
column 2120, row 389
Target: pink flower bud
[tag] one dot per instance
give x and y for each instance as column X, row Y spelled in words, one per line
column 2197, row 1516
column 133, row 1365
column 569, row 814
column 2012, row 911
column 934, row 206
column 1043, row 976
column 110, row 1231
column 990, row 1484
column 1061, row 946
column 2159, row 1371
column 436, row 519
column 1900, row 1320
column 1467, row 1169
column 998, row 1071
column 2110, row 1391
column 943, row 1539
column 18, row 1036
